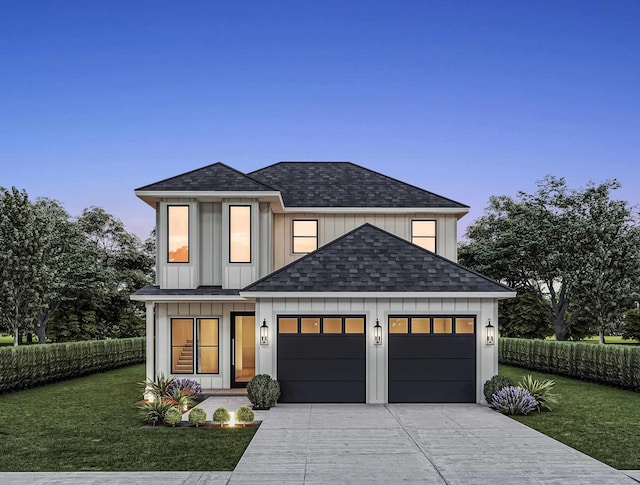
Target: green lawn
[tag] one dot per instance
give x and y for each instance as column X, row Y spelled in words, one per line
column 6, row 340
column 601, row 421
column 91, row 424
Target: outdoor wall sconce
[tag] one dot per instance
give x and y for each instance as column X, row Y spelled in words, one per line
column 491, row 333
column 377, row 333
column 264, row 333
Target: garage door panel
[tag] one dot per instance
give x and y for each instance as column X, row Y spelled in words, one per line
column 321, row 369
column 431, row 346
column 321, row 391
column 403, row 391
column 432, row 370
column 431, row 367
column 321, row 346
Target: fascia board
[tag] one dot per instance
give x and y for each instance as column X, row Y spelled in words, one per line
column 377, row 294
column 379, row 210
column 153, row 196
column 185, row 298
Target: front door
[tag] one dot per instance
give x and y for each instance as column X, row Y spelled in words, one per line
column 243, row 348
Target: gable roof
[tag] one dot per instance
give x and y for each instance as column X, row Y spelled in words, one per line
column 369, row 259
column 344, row 184
column 214, row 177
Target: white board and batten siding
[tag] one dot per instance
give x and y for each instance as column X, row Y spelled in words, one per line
column 166, row 311
column 380, row 308
column 332, row 226
column 209, row 247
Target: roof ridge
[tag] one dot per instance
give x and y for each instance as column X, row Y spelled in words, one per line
column 203, row 168
column 280, row 270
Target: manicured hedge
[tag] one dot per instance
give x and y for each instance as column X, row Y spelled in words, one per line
column 617, row 365
column 32, row 365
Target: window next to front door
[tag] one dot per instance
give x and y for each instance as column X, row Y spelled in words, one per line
column 197, row 355
column 423, row 234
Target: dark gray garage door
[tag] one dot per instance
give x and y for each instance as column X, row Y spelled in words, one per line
column 322, row 358
column 432, row 359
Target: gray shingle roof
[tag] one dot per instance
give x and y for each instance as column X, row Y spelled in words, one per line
column 344, row 184
column 200, row 290
column 372, row 260
column 215, row 177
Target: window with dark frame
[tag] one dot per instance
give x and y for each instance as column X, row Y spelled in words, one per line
column 178, row 233
column 305, row 235
column 239, row 233
column 423, row 234
column 199, row 355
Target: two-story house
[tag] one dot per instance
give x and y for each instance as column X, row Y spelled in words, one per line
column 338, row 281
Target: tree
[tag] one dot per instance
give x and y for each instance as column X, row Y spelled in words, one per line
column 630, row 327
column 576, row 251
column 523, row 317
column 73, row 266
column 26, row 240
column 103, row 308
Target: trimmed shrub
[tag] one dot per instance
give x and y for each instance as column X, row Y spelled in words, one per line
column 617, row 365
column 245, row 415
column 541, row 390
column 494, row 384
column 173, row 416
column 513, row 400
column 32, row 365
column 197, row 416
column 221, row 415
column 263, row 391
column 154, row 412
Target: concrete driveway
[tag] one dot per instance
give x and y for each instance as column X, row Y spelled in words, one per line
column 369, row 444
column 405, row 443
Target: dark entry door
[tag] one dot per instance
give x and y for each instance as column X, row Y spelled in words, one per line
column 243, row 348
column 322, row 359
column 432, row 359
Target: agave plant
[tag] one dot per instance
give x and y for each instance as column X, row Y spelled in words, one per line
column 159, row 387
column 541, row 390
column 154, row 412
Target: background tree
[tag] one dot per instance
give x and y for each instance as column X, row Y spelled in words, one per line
column 630, row 327
column 26, row 239
column 103, row 308
column 574, row 250
column 523, row 317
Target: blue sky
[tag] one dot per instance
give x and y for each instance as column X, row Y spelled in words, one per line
column 464, row 98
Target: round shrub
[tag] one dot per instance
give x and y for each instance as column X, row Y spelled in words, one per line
column 221, row 415
column 263, row 391
column 244, row 414
column 513, row 400
column 494, row 384
column 197, row 416
column 173, row 416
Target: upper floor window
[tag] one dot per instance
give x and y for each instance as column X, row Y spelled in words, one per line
column 305, row 236
column 423, row 234
column 178, row 231
column 240, row 234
